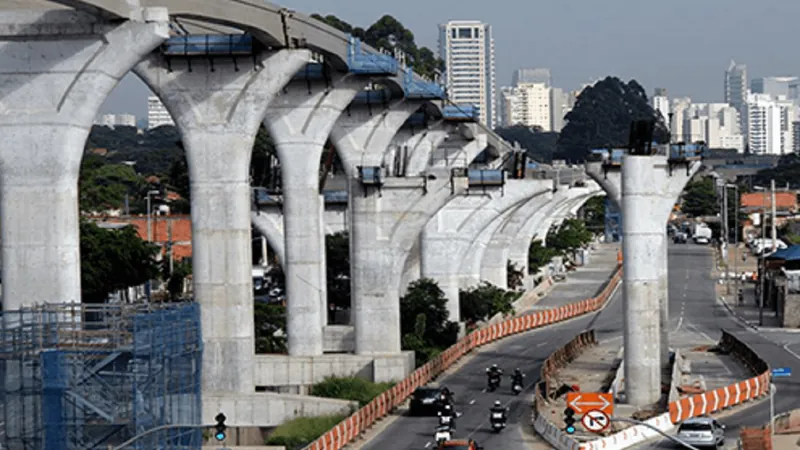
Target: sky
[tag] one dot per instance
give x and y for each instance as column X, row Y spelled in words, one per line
column 681, row 45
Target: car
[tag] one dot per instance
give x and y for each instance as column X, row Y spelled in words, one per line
column 679, row 238
column 701, row 240
column 426, row 400
column 460, row 444
column 702, row 432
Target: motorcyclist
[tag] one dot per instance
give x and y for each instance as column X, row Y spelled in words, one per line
column 446, row 397
column 517, row 377
column 499, row 408
column 446, row 413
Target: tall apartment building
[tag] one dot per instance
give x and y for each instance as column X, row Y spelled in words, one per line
column 769, row 127
column 116, row 120
column 661, row 104
column 775, row 86
column 560, row 104
column 736, row 90
column 467, row 49
column 157, row 114
column 715, row 123
column 532, row 76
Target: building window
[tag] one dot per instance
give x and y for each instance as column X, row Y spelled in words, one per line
column 465, row 33
column 453, row 33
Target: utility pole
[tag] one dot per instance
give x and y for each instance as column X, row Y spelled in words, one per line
column 773, row 215
column 726, row 234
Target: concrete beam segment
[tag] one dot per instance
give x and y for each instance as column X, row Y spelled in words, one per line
column 577, row 196
column 269, row 222
column 218, row 113
column 385, row 227
column 454, row 153
column 448, row 236
column 300, row 120
column 362, row 135
column 494, row 267
column 52, row 84
column 518, row 254
column 416, row 147
column 610, row 181
column 649, row 192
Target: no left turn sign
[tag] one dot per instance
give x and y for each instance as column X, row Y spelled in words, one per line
column 596, row 421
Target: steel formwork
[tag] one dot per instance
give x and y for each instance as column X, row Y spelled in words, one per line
column 613, row 222
column 88, row 376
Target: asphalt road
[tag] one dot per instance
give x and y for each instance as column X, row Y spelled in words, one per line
column 694, row 314
column 526, row 351
column 692, row 291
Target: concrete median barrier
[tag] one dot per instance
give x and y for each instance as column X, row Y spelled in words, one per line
column 350, row 428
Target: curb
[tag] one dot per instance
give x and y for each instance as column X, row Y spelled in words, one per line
column 736, row 315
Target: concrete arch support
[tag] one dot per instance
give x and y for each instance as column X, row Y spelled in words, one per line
column 610, row 180
column 385, row 227
column 649, row 192
column 417, row 147
column 269, row 222
column 450, row 233
column 56, row 69
column 518, row 254
column 218, row 113
column 300, row 120
column 494, row 265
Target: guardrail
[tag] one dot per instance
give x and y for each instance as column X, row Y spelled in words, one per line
column 381, row 406
column 563, row 356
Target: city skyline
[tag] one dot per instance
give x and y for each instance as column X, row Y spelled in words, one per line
column 564, row 39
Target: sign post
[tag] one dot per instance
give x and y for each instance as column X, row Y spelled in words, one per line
column 583, row 402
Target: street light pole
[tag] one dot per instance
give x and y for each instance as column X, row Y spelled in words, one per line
column 726, row 233
column 148, row 286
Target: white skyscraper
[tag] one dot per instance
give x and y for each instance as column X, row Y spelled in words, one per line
column 764, row 117
column 661, row 104
column 717, row 124
column 736, row 89
column 467, row 49
column 157, row 114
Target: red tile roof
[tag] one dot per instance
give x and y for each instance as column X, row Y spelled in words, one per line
column 758, row 200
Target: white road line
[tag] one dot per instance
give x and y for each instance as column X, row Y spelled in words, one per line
column 472, row 402
column 427, row 444
column 541, row 344
column 790, row 351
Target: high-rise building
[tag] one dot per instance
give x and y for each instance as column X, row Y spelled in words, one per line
column 717, row 124
column 467, row 49
column 764, row 118
column 116, row 120
column 510, row 107
column 661, row 104
column 531, row 76
column 560, row 105
column 157, row 114
column 736, row 90
column 774, row 86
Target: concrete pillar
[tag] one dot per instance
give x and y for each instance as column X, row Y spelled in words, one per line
column 649, row 192
column 300, row 119
column 269, row 222
column 494, row 267
column 218, row 114
column 450, row 233
column 362, row 137
column 56, row 69
column 610, row 180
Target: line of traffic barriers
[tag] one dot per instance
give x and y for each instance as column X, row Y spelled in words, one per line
column 360, row 421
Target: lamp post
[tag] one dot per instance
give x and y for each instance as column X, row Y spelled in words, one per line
column 148, row 287
column 763, row 272
column 737, row 202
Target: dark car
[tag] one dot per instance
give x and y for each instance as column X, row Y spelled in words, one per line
column 679, row 238
column 426, row 400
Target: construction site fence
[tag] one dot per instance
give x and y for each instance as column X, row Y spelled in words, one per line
column 682, row 409
column 351, row 427
column 563, row 356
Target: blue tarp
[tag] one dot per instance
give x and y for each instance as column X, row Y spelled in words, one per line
column 787, row 254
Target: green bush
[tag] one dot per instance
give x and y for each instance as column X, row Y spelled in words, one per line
column 297, row 433
column 351, row 388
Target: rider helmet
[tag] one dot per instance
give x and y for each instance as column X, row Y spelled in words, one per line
column 497, row 403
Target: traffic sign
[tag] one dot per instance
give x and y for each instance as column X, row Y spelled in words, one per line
column 596, row 421
column 782, row 372
column 583, row 402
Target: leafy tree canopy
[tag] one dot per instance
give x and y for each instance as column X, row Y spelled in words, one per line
column 540, row 146
column 700, row 198
column 104, row 186
column 424, row 320
column 269, row 319
column 595, row 213
column 602, row 117
column 484, row 301
column 571, row 236
column 153, row 151
column 112, row 260
column 539, row 256
column 387, row 33
column 786, row 172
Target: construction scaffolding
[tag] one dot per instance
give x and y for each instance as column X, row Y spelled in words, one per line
column 78, row 377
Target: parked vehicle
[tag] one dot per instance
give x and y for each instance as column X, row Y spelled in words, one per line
column 702, row 432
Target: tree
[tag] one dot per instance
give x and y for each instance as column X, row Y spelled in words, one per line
column 112, row 260
column 424, row 297
column 539, row 256
column 571, row 236
column 387, row 32
column 700, row 198
column 595, row 213
column 540, row 146
column 514, row 276
column 602, row 117
column 176, row 278
column 104, row 186
column 270, row 323
column 482, row 302
column 337, row 256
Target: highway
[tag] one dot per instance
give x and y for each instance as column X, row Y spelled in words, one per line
column 526, row 351
column 695, row 316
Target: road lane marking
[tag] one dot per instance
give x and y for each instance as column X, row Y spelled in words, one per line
column 542, row 344
column 790, row 351
column 472, row 402
column 427, row 444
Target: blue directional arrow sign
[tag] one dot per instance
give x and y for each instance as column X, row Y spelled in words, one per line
column 782, row 372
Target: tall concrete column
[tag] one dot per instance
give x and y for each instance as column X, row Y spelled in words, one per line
column 494, row 267
column 218, row 113
column 362, row 136
column 56, row 69
column 300, row 119
column 450, row 233
column 649, row 192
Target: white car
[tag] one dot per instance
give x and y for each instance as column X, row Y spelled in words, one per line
column 701, row 240
column 702, row 432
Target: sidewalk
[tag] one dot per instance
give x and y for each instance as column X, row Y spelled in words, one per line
column 585, row 281
column 726, row 290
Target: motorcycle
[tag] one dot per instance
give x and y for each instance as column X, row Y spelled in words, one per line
column 494, row 382
column 446, row 421
column 443, row 434
column 516, row 388
column 498, row 421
